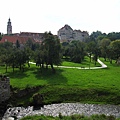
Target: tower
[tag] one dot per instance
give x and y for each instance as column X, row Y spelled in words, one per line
column 9, row 27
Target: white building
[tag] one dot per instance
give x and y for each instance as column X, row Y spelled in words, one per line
column 67, row 34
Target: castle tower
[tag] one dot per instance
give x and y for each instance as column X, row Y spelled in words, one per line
column 9, row 27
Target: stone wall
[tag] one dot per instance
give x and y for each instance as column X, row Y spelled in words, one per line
column 67, row 34
column 4, row 88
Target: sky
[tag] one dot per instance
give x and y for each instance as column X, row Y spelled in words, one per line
column 51, row 15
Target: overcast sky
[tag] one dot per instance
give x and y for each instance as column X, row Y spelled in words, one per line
column 51, row 15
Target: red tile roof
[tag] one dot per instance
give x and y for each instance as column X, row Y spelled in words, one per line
column 13, row 39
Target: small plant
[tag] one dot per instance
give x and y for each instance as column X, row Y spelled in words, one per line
column 60, row 116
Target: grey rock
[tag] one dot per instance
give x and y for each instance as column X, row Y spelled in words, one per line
column 66, row 109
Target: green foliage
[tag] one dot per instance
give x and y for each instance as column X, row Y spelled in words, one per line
column 104, row 45
column 115, row 46
column 48, row 53
column 75, row 50
column 113, row 36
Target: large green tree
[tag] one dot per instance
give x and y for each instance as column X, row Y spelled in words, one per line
column 77, row 51
column 5, row 49
column 115, row 47
column 90, row 48
column 52, row 48
column 104, row 47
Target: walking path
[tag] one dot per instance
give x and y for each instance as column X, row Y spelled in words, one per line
column 99, row 61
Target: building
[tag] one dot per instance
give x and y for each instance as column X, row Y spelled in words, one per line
column 67, row 34
column 9, row 27
column 14, row 38
column 22, row 37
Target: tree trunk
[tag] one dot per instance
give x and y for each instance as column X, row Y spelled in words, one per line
column 6, row 68
column 20, row 67
column 46, row 66
column 42, row 65
column 110, row 61
column 105, row 58
column 53, row 70
column 13, row 67
column 28, row 64
column 90, row 57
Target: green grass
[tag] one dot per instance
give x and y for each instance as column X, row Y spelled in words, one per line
column 85, row 63
column 91, row 86
column 73, row 117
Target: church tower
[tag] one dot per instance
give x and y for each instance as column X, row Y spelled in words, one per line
column 9, row 27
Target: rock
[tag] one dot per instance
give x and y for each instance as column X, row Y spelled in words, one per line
column 37, row 100
column 65, row 109
column 9, row 118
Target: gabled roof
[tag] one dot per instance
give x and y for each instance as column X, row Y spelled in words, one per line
column 13, row 39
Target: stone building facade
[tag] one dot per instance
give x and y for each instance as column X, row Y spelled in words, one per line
column 4, row 88
column 67, row 34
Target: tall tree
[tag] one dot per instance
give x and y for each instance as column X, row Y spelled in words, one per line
column 115, row 46
column 17, row 44
column 90, row 48
column 52, row 46
column 5, row 53
column 104, row 46
column 77, row 51
column 94, row 35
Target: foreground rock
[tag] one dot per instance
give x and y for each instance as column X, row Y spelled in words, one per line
column 65, row 109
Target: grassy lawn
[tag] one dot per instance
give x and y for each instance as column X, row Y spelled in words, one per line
column 91, row 86
column 85, row 63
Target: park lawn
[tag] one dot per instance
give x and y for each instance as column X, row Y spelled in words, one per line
column 91, row 86
column 107, row 78
column 85, row 63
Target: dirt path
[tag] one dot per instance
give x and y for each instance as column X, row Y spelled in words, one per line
column 99, row 61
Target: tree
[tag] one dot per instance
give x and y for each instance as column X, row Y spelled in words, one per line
column 5, row 57
column 104, row 43
column 94, row 35
column 115, row 47
column 17, row 44
column 5, row 53
column 51, row 45
column 113, row 36
column 77, row 51
column 38, row 57
column 90, row 48
column 1, row 35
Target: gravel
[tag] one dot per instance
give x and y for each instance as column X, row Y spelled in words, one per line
column 66, row 109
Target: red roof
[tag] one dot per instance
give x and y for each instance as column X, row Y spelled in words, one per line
column 13, row 39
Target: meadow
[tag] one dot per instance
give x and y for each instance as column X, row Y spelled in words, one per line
column 100, row 86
